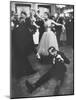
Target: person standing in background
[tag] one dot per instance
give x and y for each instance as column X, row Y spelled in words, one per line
column 22, row 47
column 70, row 30
column 63, row 35
column 40, row 23
column 59, row 29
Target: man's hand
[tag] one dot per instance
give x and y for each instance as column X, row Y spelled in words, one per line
column 59, row 57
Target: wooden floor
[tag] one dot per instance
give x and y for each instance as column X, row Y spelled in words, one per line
column 19, row 88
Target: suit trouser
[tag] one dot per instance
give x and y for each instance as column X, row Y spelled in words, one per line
column 58, row 74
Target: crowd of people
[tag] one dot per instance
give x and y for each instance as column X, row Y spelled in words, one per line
column 47, row 49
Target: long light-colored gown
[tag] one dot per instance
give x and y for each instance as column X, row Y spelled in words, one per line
column 48, row 39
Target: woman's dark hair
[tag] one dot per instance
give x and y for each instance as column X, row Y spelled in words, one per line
column 47, row 13
column 53, row 49
column 38, row 11
column 22, row 12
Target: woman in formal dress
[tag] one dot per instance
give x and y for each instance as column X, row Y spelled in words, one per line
column 63, row 37
column 49, row 37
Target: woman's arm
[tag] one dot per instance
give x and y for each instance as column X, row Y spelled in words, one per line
column 39, row 16
column 36, row 25
column 34, row 22
column 58, row 24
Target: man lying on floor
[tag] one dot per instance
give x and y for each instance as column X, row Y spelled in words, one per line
column 57, row 71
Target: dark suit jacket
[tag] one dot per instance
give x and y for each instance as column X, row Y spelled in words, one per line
column 23, row 45
column 23, row 37
column 58, row 69
column 49, row 58
column 41, row 29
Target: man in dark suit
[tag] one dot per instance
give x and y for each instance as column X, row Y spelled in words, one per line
column 40, row 23
column 59, row 29
column 22, row 46
column 41, row 29
column 70, row 31
column 58, row 60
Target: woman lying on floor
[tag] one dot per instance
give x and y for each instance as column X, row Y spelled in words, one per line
column 57, row 71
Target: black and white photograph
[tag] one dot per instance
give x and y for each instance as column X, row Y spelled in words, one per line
column 42, row 49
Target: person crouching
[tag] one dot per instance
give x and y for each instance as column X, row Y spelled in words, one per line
column 57, row 71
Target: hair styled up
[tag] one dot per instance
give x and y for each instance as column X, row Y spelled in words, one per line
column 22, row 12
column 47, row 13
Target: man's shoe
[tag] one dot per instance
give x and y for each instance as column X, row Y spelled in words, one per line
column 30, row 87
